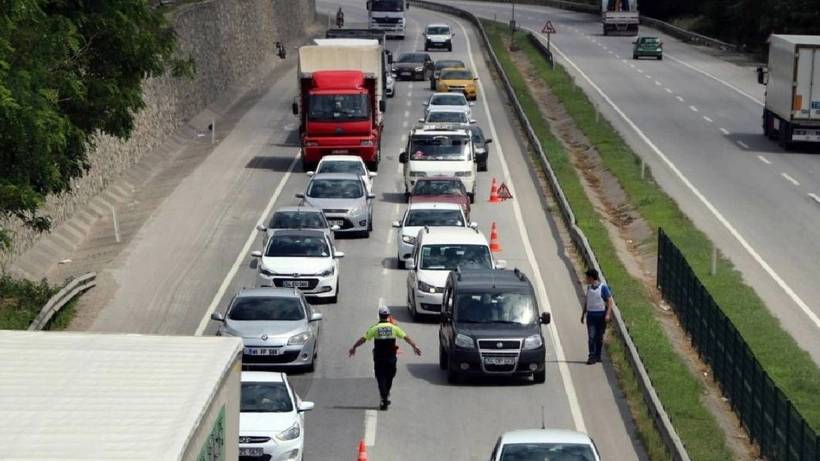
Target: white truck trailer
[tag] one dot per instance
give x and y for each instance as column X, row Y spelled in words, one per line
column 792, row 110
column 117, row 396
column 620, row 17
column 388, row 16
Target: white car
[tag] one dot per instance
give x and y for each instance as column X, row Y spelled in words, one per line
column 449, row 101
column 440, row 115
column 545, row 444
column 438, row 151
column 419, row 215
column 271, row 418
column 438, row 36
column 438, row 251
column 304, row 259
column 346, row 164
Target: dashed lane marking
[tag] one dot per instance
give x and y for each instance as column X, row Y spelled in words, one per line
column 764, row 160
column 789, row 178
column 694, row 109
column 742, row 144
column 724, row 131
column 370, row 421
column 679, row 98
column 668, row 90
column 814, row 197
column 707, row 119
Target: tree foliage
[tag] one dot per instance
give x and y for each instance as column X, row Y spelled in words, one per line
column 69, row 69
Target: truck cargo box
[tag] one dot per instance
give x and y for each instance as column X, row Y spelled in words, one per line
column 793, row 90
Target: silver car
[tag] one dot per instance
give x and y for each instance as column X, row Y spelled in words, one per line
column 344, row 199
column 277, row 326
column 298, row 217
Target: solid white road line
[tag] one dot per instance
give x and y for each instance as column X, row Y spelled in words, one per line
column 814, row 197
column 713, row 77
column 724, row 131
column 697, row 193
column 764, row 160
column 707, row 119
column 790, row 179
column 370, row 421
column 566, row 377
column 694, row 109
column 240, row 258
column 679, row 98
column 742, row 144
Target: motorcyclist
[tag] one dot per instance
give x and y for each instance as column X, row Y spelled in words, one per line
column 340, row 18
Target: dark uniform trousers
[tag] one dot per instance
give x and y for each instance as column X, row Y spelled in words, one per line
column 385, row 372
column 596, row 325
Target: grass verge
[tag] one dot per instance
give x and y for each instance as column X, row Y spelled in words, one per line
column 791, row 368
column 21, row 301
column 676, row 387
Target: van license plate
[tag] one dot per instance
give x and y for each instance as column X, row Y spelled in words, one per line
column 499, row 361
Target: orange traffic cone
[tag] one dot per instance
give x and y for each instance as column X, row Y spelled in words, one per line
column 494, row 193
column 362, row 451
column 495, row 247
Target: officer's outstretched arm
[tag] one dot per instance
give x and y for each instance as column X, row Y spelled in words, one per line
column 358, row 343
column 412, row 343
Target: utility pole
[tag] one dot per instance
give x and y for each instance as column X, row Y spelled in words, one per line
column 512, row 27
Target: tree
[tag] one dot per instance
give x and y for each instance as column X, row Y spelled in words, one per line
column 68, row 70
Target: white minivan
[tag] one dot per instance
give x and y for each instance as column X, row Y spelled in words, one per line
column 439, row 151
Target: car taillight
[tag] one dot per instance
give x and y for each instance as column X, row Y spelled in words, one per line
column 311, row 143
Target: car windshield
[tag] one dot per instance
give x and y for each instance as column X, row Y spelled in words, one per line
column 448, row 63
column 298, row 220
column 547, row 452
column 261, row 397
column 477, row 135
column 443, row 187
column 438, row 31
column 387, row 5
column 447, row 148
column 496, row 307
column 329, row 107
column 266, row 308
column 335, row 188
column 412, row 57
column 450, row 257
column 457, row 74
column 297, row 246
column 454, row 99
column 434, row 218
column 341, row 166
column 447, row 117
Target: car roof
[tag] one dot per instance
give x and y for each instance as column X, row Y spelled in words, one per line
column 438, row 24
column 454, row 235
column 267, row 291
column 446, row 93
column 545, row 436
column 492, row 279
column 443, row 129
column 434, row 206
column 341, row 158
column 298, row 232
column 444, row 108
column 263, row 376
column 336, row 176
column 298, row 208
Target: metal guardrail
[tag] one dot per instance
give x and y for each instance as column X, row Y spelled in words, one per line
column 764, row 410
column 655, row 407
column 63, row 297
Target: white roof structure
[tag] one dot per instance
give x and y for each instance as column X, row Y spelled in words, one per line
column 106, row 396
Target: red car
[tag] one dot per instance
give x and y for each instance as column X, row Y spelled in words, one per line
column 445, row 189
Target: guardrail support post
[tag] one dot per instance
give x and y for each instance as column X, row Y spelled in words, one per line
column 116, row 224
column 643, row 168
column 213, row 131
column 713, row 261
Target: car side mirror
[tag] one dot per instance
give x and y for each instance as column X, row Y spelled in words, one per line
column 403, row 157
column 425, row 103
column 294, row 107
column 410, row 265
column 471, row 104
column 501, row 264
column 299, row 195
column 475, row 78
column 335, row 227
column 421, row 120
column 261, row 228
column 256, row 254
column 305, row 406
column 382, row 105
column 371, row 196
column 473, row 225
column 473, row 122
column 316, row 316
column 372, row 174
column 545, row 318
column 217, row 316
column 310, row 173
column 396, row 224
column 339, row 254
column 488, row 140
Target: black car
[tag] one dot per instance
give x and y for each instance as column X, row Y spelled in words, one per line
column 480, row 146
column 413, row 66
column 444, row 64
column 490, row 325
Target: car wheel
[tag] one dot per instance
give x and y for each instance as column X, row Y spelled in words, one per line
column 482, row 166
column 453, row 377
column 400, row 263
column 634, row 56
column 311, row 367
column 442, row 358
column 539, row 377
column 660, row 58
column 414, row 313
column 335, row 298
column 472, row 197
column 450, row 47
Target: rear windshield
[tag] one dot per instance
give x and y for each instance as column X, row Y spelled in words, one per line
column 262, row 397
column 457, row 74
column 434, row 218
column 448, row 63
column 546, row 452
column 266, row 308
column 297, row 246
column 298, row 220
column 335, row 188
column 447, row 117
column 439, row 187
column 450, row 257
column 454, row 99
column 341, row 166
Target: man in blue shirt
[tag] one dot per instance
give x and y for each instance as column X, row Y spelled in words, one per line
column 597, row 311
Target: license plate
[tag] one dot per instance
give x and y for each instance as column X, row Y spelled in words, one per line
column 406, row 72
column 339, row 151
column 255, row 451
column 336, row 222
column 499, row 361
column 295, row 283
column 262, row 351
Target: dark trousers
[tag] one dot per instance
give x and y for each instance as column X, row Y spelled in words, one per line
column 385, row 372
column 596, row 325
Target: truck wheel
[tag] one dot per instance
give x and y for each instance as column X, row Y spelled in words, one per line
column 539, row 377
column 450, row 47
column 472, row 197
column 785, row 131
column 442, row 358
column 453, row 377
column 660, row 58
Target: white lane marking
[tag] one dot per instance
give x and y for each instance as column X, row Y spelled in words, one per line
column 694, row 109
column 404, row 138
column 390, row 236
column 632, row 65
column 714, row 77
column 707, row 119
column 381, row 301
column 712, row 209
column 241, row 257
column 668, row 90
column 400, row 169
column 814, row 197
column 370, row 421
column 566, row 377
column 617, row 56
column 610, row 52
column 404, row 124
column 742, row 144
column 411, row 85
column 640, row 71
column 658, row 83
column 724, row 131
column 409, row 94
column 789, row 178
column 406, row 113
column 409, row 103
column 679, row 98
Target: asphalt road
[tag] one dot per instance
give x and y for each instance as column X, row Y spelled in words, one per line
column 696, row 119
column 193, row 255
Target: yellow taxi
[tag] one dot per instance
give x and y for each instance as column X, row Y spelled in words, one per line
column 458, row 80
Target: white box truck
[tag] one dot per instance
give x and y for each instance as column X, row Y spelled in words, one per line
column 620, row 17
column 119, row 396
column 388, row 16
column 792, row 110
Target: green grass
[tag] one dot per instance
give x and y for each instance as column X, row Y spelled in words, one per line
column 21, row 301
column 789, row 366
column 676, row 387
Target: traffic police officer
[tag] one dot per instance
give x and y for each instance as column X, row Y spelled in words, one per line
column 598, row 311
column 384, row 335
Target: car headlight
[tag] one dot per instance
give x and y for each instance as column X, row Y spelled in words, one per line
column 464, row 341
column 533, row 342
column 463, row 174
column 417, row 174
column 265, row 271
column 419, row 69
column 300, row 339
column 293, row 432
column 427, row 288
column 408, row 239
column 328, row 272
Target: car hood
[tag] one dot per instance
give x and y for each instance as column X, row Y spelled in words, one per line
column 335, row 203
column 278, row 332
column 458, row 82
column 269, row 423
column 437, row 278
column 497, row 330
column 301, row 266
column 439, row 167
column 464, row 109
